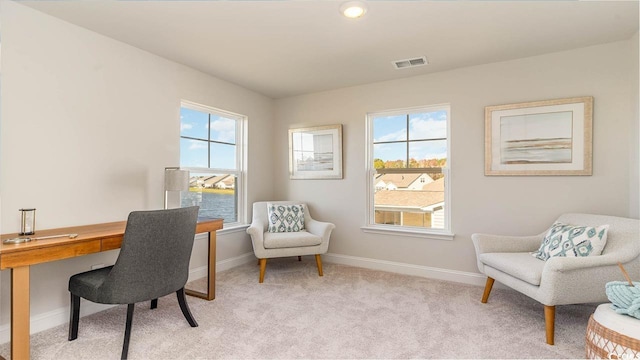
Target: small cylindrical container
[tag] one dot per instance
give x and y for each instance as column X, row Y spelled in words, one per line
column 28, row 222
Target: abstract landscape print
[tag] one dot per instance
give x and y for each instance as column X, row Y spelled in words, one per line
column 544, row 138
column 548, row 137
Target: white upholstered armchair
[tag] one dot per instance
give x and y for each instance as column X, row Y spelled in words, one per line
column 312, row 239
column 559, row 280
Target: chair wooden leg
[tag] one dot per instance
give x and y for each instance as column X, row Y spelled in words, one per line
column 74, row 317
column 263, row 267
column 182, row 300
column 319, row 263
column 550, row 319
column 299, row 258
column 154, row 303
column 487, row 290
column 127, row 331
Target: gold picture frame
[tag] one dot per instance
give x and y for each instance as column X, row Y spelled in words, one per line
column 315, row 152
column 550, row 137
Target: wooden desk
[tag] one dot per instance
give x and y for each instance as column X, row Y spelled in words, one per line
column 91, row 239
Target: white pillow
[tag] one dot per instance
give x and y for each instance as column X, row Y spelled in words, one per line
column 285, row 218
column 572, row 241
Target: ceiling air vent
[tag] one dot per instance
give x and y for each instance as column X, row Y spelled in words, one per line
column 407, row 63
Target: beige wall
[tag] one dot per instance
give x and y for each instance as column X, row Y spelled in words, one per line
column 506, row 205
column 634, row 158
column 88, row 125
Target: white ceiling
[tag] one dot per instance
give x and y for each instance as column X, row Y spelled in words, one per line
column 286, row 48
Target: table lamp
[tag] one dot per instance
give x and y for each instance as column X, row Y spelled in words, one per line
column 174, row 180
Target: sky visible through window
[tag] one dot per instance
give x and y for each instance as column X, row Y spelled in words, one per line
column 422, row 126
column 195, row 129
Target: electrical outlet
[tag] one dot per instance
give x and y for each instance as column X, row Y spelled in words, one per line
column 97, row 266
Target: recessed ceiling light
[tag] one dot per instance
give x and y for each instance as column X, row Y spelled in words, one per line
column 353, row 9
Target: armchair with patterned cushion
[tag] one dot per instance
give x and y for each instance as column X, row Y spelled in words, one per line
column 286, row 228
column 570, row 263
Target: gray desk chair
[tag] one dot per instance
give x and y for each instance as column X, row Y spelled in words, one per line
column 559, row 280
column 313, row 239
column 153, row 262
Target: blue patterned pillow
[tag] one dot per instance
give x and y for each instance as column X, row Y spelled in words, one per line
column 285, row 218
column 572, row 241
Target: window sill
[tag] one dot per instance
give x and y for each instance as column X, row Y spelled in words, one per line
column 431, row 235
column 235, row 228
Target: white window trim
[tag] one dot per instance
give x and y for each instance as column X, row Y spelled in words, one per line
column 408, row 231
column 241, row 159
column 371, row 226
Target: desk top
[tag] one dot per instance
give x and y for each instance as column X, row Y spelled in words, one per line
column 90, row 239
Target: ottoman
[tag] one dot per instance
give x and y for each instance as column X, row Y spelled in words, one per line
column 612, row 336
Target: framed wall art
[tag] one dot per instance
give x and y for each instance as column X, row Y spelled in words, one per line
column 551, row 137
column 315, row 152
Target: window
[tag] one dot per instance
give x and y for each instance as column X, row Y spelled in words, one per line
column 408, row 160
column 211, row 149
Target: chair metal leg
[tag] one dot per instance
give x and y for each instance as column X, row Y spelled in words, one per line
column 127, row 331
column 263, row 267
column 550, row 319
column 319, row 263
column 154, row 303
column 487, row 290
column 182, row 300
column 74, row 317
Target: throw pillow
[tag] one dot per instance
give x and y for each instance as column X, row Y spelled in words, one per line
column 285, row 218
column 572, row 241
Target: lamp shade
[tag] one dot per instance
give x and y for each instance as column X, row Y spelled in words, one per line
column 176, row 180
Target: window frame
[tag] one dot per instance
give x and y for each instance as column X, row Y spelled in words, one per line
column 240, row 161
column 370, row 224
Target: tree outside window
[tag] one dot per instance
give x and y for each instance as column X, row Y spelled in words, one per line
column 408, row 158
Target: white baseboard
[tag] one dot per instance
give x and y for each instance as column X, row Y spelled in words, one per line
column 408, row 269
column 60, row 316
column 53, row 318
column 200, row 272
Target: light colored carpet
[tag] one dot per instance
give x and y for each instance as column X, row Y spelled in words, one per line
column 350, row 313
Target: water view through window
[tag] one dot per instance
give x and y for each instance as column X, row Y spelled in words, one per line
column 215, row 194
column 209, row 140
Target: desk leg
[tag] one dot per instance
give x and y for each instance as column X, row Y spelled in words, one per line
column 211, row 274
column 20, row 317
